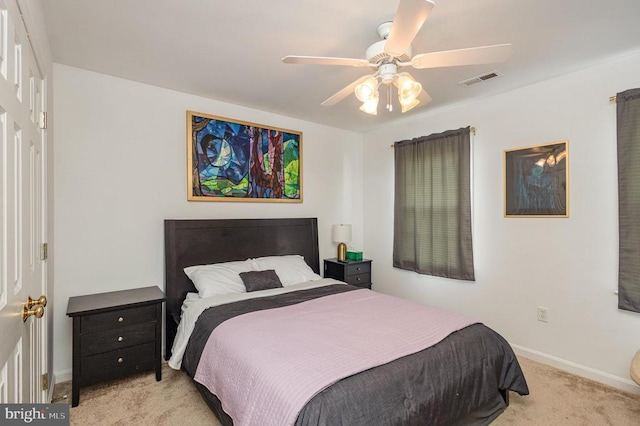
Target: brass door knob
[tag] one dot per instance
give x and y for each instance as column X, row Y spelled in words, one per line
column 38, row 312
column 34, row 307
column 42, row 300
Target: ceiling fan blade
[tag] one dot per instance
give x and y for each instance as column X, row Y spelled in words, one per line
column 343, row 93
column 424, row 98
column 408, row 20
column 322, row 60
column 469, row 56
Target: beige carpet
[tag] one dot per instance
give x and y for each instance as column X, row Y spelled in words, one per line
column 557, row 398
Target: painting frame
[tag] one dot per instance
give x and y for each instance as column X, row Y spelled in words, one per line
column 536, row 181
column 240, row 161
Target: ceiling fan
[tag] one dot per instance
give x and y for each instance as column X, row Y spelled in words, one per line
column 393, row 53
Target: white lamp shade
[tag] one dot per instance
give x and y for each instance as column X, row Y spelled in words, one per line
column 407, row 106
column 367, row 90
column 408, row 89
column 370, row 107
column 341, row 233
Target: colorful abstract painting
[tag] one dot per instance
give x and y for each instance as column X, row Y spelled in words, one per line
column 239, row 161
column 537, row 181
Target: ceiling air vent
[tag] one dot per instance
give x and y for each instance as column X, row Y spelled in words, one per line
column 479, row 79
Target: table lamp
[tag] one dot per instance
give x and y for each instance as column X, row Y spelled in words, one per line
column 341, row 234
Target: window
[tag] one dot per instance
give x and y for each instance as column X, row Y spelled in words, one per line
column 628, row 122
column 432, row 210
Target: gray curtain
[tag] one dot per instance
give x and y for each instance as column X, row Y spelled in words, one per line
column 432, row 211
column 628, row 112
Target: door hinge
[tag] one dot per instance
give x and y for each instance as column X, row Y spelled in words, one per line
column 45, row 381
column 44, row 252
column 43, row 120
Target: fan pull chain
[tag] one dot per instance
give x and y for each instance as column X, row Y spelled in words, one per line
column 389, row 103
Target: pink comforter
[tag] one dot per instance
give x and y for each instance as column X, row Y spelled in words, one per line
column 265, row 366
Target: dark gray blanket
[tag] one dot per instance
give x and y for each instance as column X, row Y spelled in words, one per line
column 437, row 386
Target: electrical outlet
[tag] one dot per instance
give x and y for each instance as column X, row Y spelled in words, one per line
column 543, row 314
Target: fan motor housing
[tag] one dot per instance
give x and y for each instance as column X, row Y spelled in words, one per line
column 376, row 54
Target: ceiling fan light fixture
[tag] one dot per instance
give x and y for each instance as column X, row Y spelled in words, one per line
column 367, row 90
column 407, row 106
column 408, row 89
column 371, row 106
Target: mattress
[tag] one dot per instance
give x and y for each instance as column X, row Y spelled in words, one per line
column 459, row 379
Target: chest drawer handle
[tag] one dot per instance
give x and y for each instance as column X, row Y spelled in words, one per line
column 120, row 319
column 120, row 338
column 358, row 268
column 358, row 279
column 120, row 360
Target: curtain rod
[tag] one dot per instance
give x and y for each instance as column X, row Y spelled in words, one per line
column 472, row 129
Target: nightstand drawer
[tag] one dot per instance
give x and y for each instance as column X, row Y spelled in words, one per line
column 358, row 268
column 118, row 363
column 353, row 272
column 117, row 319
column 104, row 341
column 359, row 279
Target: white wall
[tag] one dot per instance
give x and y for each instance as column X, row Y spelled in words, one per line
column 567, row 265
column 121, row 170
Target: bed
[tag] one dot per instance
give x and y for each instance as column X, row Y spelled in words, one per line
column 464, row 378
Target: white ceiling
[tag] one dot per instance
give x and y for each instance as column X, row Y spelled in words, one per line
column 232, row 50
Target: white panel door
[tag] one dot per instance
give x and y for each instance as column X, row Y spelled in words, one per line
column 23, row 352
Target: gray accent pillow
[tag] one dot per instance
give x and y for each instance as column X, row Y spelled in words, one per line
column 260, row 280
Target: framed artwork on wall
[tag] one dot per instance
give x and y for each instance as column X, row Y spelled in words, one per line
column 231, row 160
column 536, row 181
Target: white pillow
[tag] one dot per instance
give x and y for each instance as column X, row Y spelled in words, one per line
column 291, row 269
column 219, row 278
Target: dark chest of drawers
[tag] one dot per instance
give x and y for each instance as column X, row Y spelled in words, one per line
column 354, row 272
column 115, row 334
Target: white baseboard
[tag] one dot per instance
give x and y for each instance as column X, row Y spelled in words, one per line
column 579, row 370
column 62, row 376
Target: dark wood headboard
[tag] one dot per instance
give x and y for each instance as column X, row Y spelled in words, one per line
column 201, row 242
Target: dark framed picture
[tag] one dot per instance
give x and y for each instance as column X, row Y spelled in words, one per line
column 536, row 181
column 231, row 160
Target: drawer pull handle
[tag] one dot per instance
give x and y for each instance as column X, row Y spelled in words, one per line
column 120, row 319
column 358, row 279
column 120, row 360
column 358, row 268
column 120, row 338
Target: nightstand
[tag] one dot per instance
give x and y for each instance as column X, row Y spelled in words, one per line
column 354, row 272
column 115, row 334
